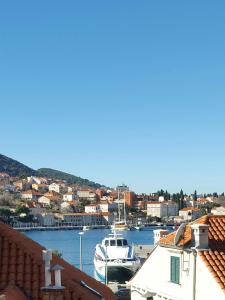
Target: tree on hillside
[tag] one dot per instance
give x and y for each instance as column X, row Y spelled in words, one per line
column 195, row 196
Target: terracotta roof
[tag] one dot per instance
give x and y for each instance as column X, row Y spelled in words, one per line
column 52, row 193
column 215, row 257
column 31, row 192
column 21, row 264
column 12, row 292
column 87, row 214
column 190, row 208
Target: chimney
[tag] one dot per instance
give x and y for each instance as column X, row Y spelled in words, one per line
column 50, row 291
column 47, row 257
column 57, row 269
column 200, row 236
column 158, row 234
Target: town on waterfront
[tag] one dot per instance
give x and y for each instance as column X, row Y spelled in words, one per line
column 34, row 202
column 112, row 140
column 179, row 235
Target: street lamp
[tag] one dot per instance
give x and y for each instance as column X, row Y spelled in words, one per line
column 81, row 234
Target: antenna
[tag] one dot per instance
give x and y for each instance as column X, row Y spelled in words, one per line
column 179, row 233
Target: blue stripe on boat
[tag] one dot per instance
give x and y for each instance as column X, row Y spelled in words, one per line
column 101, row 277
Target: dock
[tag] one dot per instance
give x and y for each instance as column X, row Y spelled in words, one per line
column 143, row 251
column 62, row 227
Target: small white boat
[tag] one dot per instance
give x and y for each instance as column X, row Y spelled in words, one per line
column 119, row 226
column 85, row 228
column 139, row 227
column 115, row 260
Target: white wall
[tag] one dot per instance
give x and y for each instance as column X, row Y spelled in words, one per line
column 154, row 276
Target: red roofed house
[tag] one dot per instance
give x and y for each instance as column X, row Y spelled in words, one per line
column 30, row 195
column 190, row 213
column 188, row 264
column 28, row 271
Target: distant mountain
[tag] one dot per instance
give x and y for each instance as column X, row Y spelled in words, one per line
column 50, row 173
column 15, row 168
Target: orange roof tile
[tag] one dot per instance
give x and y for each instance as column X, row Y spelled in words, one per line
column 21, row 263
column 215, row 257
column 190, row 208
column 11, row 292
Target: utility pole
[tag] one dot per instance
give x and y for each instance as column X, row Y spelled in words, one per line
column 81, row 250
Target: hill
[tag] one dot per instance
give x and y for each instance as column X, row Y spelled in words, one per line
column 71, row 179
column 14, row 168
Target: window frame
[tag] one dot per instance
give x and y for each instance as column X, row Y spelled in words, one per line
column 175, row 269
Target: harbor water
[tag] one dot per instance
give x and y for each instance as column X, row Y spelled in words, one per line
column 67, row 242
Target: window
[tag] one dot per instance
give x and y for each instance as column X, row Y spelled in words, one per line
column 112, row 243
column 119, row 243
column 125, row 242
column 175, row 269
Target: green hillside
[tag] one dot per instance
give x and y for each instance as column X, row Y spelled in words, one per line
column 14, row 168
column 72, row 179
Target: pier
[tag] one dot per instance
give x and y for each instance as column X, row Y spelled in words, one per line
column 53, row 228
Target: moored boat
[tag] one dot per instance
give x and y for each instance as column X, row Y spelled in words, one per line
column 115, row 260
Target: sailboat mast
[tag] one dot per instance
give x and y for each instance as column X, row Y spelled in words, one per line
column 124, row 210
column 119, row 202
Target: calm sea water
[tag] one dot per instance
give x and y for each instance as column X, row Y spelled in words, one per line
column 68, row 243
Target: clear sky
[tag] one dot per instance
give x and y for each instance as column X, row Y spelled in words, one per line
column 118, row 91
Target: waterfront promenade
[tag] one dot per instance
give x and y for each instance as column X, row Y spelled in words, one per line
column 53, row 228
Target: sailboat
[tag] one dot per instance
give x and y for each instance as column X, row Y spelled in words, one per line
column 120, row 224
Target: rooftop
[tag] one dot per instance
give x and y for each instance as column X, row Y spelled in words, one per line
column 22, row 271
column 215, row 257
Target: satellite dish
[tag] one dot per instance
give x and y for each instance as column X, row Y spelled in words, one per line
column 179, row 233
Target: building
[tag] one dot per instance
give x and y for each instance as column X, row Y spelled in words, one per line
column 162, row 209
column 218, row 211
column 185, row 265
column 50, row 198
column 69, row 196
column 37, row 180
column 30, row 195
column 87, row 195
column 129, row 198
column 27, row 272
column 46, row 219
column 104, row 206
column 54, row 187
column 22, row 184
column 4, row 180
column 42, row 187
column 189, row 213
column 83, row 219
column 92, row 208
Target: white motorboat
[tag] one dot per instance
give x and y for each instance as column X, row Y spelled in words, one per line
column 85, row 228
column 115, row 260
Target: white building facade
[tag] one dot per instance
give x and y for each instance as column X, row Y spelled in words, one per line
column 162, row 209
column 179, row 268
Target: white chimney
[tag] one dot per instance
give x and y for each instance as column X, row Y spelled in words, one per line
column 200, row 236
column 47, row 257
column 57, row 269
column 158, row 234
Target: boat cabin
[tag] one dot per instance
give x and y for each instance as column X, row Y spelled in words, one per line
column 119, row 242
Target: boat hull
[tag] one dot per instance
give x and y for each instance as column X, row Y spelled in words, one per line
column 119, row 274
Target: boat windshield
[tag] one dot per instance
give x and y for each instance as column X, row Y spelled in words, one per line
column 112, row 242
column 125, row 242
column 116, row 242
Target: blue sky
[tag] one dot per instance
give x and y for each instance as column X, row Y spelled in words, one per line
column 116, row 91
